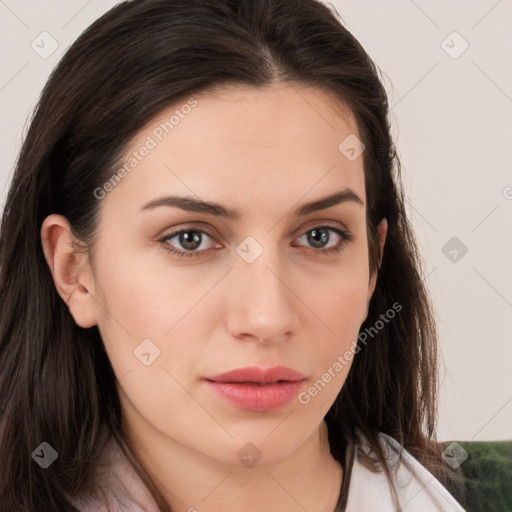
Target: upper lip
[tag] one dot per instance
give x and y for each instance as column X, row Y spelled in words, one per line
column 257, row 374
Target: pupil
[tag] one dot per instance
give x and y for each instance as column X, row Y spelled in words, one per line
column 319, row 237
column 190, row 242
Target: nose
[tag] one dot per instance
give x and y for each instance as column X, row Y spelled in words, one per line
column 263, row 305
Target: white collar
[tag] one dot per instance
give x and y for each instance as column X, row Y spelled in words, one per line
column 417, row 489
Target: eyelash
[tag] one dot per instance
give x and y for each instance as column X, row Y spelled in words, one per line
column 346, row 237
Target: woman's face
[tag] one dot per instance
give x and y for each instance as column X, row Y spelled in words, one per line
column 267, row 288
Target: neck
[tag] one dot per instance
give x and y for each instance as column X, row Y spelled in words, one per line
column 309, row 479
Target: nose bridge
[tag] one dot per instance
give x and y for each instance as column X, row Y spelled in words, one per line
column 263, row 305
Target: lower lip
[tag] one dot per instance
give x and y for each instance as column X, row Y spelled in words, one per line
column 256, row 397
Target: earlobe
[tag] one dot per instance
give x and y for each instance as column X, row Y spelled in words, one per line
column 69, row 268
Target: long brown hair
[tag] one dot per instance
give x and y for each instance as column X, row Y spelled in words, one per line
column 56, row 381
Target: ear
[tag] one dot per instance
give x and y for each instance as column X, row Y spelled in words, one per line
column 70, row 269
column 382, row 230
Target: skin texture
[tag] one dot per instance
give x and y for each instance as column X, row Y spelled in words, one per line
column 265, row 152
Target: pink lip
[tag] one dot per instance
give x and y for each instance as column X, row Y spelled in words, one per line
column 257, row 389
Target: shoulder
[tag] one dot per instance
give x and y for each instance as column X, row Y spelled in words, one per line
column 416, row 488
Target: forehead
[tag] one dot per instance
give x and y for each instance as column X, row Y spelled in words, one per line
column 272, row 143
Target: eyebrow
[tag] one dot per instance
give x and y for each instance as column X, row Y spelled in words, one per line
column 216, row 209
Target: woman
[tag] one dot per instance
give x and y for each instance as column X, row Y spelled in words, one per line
column 211, row 294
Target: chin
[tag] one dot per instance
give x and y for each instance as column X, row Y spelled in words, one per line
column 260, row 449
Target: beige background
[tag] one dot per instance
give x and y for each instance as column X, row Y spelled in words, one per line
column 452, row 120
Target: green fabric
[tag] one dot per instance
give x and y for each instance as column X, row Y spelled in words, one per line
column 484, row 479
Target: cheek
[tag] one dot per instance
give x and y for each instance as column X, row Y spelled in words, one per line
column 146, row 291
column 343, row 295
column 142, row 298
column 341, row 303
column 345, row 312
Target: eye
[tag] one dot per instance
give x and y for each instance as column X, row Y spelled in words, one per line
column 193, row 241
column 319, row 237
column 190, row 239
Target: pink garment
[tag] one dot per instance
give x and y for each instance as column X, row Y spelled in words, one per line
column 126, row 490
column 418, row 490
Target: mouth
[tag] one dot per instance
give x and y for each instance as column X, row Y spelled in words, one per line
column 257, row 389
